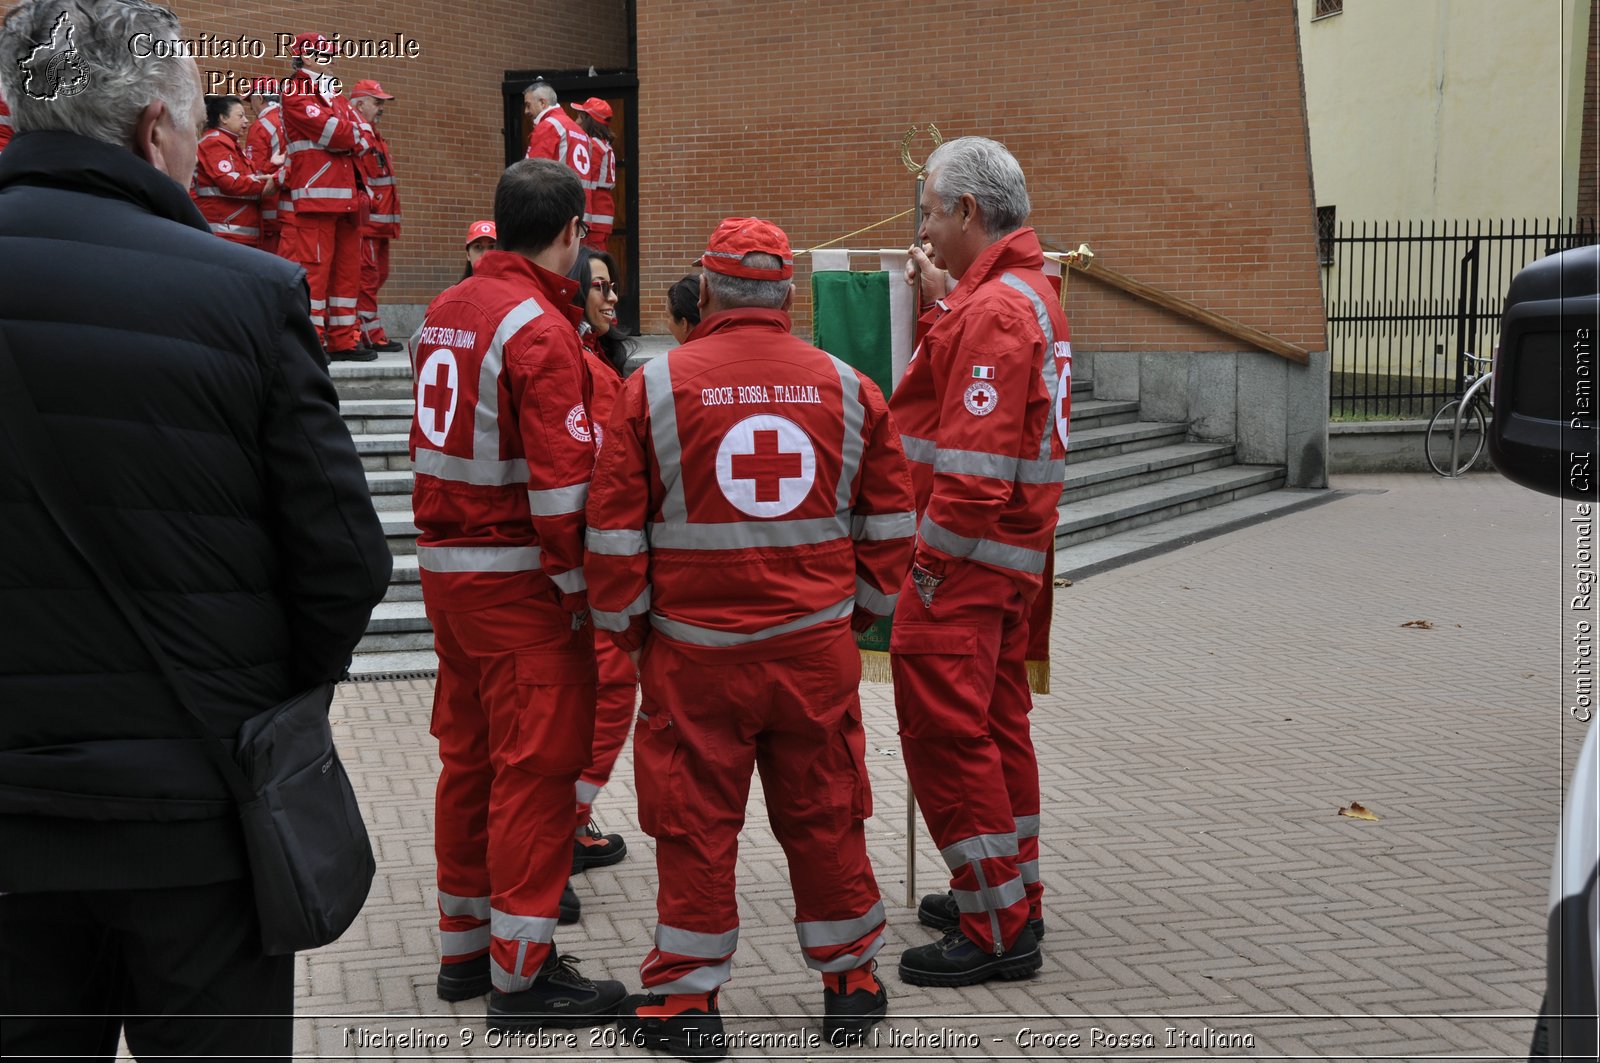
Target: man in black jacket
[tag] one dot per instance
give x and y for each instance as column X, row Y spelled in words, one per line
column 179, row 378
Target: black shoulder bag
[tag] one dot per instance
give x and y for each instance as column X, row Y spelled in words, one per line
column 311, row 861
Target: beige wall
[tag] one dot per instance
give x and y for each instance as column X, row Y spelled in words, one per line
column 1446, row 108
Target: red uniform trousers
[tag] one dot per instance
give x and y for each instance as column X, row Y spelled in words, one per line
column 374, row 272
column 961, row 695
column 599, row 237
column 513, row 711
column 703, row 726
column 613, row 714
column 328, row 248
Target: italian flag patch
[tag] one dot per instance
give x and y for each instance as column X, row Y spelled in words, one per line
column 983, row 372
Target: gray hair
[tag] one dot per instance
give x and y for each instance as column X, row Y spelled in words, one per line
column 84, row 73
column 987, row 172
column 543, row 92
column 730, row 292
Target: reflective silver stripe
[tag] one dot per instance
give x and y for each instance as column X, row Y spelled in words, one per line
column 880, row 526
column 303, row 145
column 604, row 219
column 507, row 927
column 342, row 319
column 855, row 416
column 211, row 190
column 559, row 501
column 848, row 962
column 1047, row 368
column 705, row 636
column 478, row 558
column 991, row 898
column 383, row 219
column 321, row 193
column 999, row 467
column 463, row 942
column 334, row 300
column 979, row 847
column 473, row 907
column 615, row 542
column 1029, row 870
column 699, row 946
column 839, row 931
column 873, row 600
column 486, row 418
column 619, row 621
column 749, row 534
column 328, row 129
column 319, row 304
column 664, row 437
column 570, row 581
column 586, row 792
column 221, row 228
column 484, row 473
column 699, row 980
column 919, row 450
column 1017, row 558
column 1027, row 826
column 378, row 182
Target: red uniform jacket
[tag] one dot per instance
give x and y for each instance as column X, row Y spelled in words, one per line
column 261, row 143
column 602, row 200
column 5, row 123
column 324, row 135
column 227, row 189
column 750, row 496
column 501, row 439
column 556, row 136
column 377, row 173
column 983, row 410
column 605, row 384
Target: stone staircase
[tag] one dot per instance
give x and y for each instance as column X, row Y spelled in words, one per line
column 1133, row 488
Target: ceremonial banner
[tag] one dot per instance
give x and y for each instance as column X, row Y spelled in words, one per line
column 865, row 319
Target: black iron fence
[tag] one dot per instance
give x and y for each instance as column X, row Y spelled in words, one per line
column 1407, row 301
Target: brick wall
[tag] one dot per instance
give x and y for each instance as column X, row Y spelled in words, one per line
column 445, row 126
column 1170, row 135
column 1588, row 164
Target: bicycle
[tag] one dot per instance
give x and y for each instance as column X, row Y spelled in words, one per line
column 1467, row 415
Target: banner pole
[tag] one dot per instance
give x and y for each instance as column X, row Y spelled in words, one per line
column 911, row 796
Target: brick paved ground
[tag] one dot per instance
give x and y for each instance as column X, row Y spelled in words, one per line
column 1214, row 707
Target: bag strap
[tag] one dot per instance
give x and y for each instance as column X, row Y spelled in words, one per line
column 19, row 417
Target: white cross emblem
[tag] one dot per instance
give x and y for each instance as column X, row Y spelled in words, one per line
column 766, row 465
column 438, row 391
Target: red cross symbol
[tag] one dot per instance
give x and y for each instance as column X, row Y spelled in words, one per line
column 581, row 422
column 437, row 396
column 980, row 398
column 767, row 466
column 1066, row 405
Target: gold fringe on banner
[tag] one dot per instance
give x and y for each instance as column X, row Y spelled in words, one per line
column 1039, row 677
column 875, row 667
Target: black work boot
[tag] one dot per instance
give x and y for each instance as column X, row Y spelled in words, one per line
column 939, row 911
column 559, row 996
column 686, row 1024
column 853, row 1002
column 594, row 849
column 465, row 980
column 571, row 909
column 956, row 960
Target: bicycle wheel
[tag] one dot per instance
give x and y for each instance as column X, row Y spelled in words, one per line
column 1439, row 438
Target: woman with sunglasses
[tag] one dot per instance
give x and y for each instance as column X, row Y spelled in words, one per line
column 605, row 352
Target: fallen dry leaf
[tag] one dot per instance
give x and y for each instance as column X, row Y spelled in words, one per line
column 1062, row 582
column 1420, row 625
column 1358, row 811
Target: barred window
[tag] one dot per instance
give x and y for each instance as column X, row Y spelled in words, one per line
column 1326, row 225
column 1325, row 8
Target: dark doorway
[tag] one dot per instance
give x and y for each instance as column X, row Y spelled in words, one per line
column 620, row 89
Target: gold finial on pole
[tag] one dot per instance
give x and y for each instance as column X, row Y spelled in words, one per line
column 910, row 138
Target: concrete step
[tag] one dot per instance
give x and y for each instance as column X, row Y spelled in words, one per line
column 399, row 530
column 396, row 617
column 394, row 642
column 395, row 664
column 389, row 451
column 387, row 378
column 1124, row 438
column 1090, row 413
column 1096, row 518
column 1119, row 472
column 1101, row 555
column 364, row 416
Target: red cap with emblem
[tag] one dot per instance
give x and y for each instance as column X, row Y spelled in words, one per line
column 595, row 108
column 369, row 88
column 311, row 44
column 738, row 237
column 479, row 230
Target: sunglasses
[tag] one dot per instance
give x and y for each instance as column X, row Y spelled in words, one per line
column 604, row 287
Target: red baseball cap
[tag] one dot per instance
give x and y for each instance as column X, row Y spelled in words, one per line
column 369, row 88
column 314, row 43
column 738, row 237
column 478, row 230
column 595, row 108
